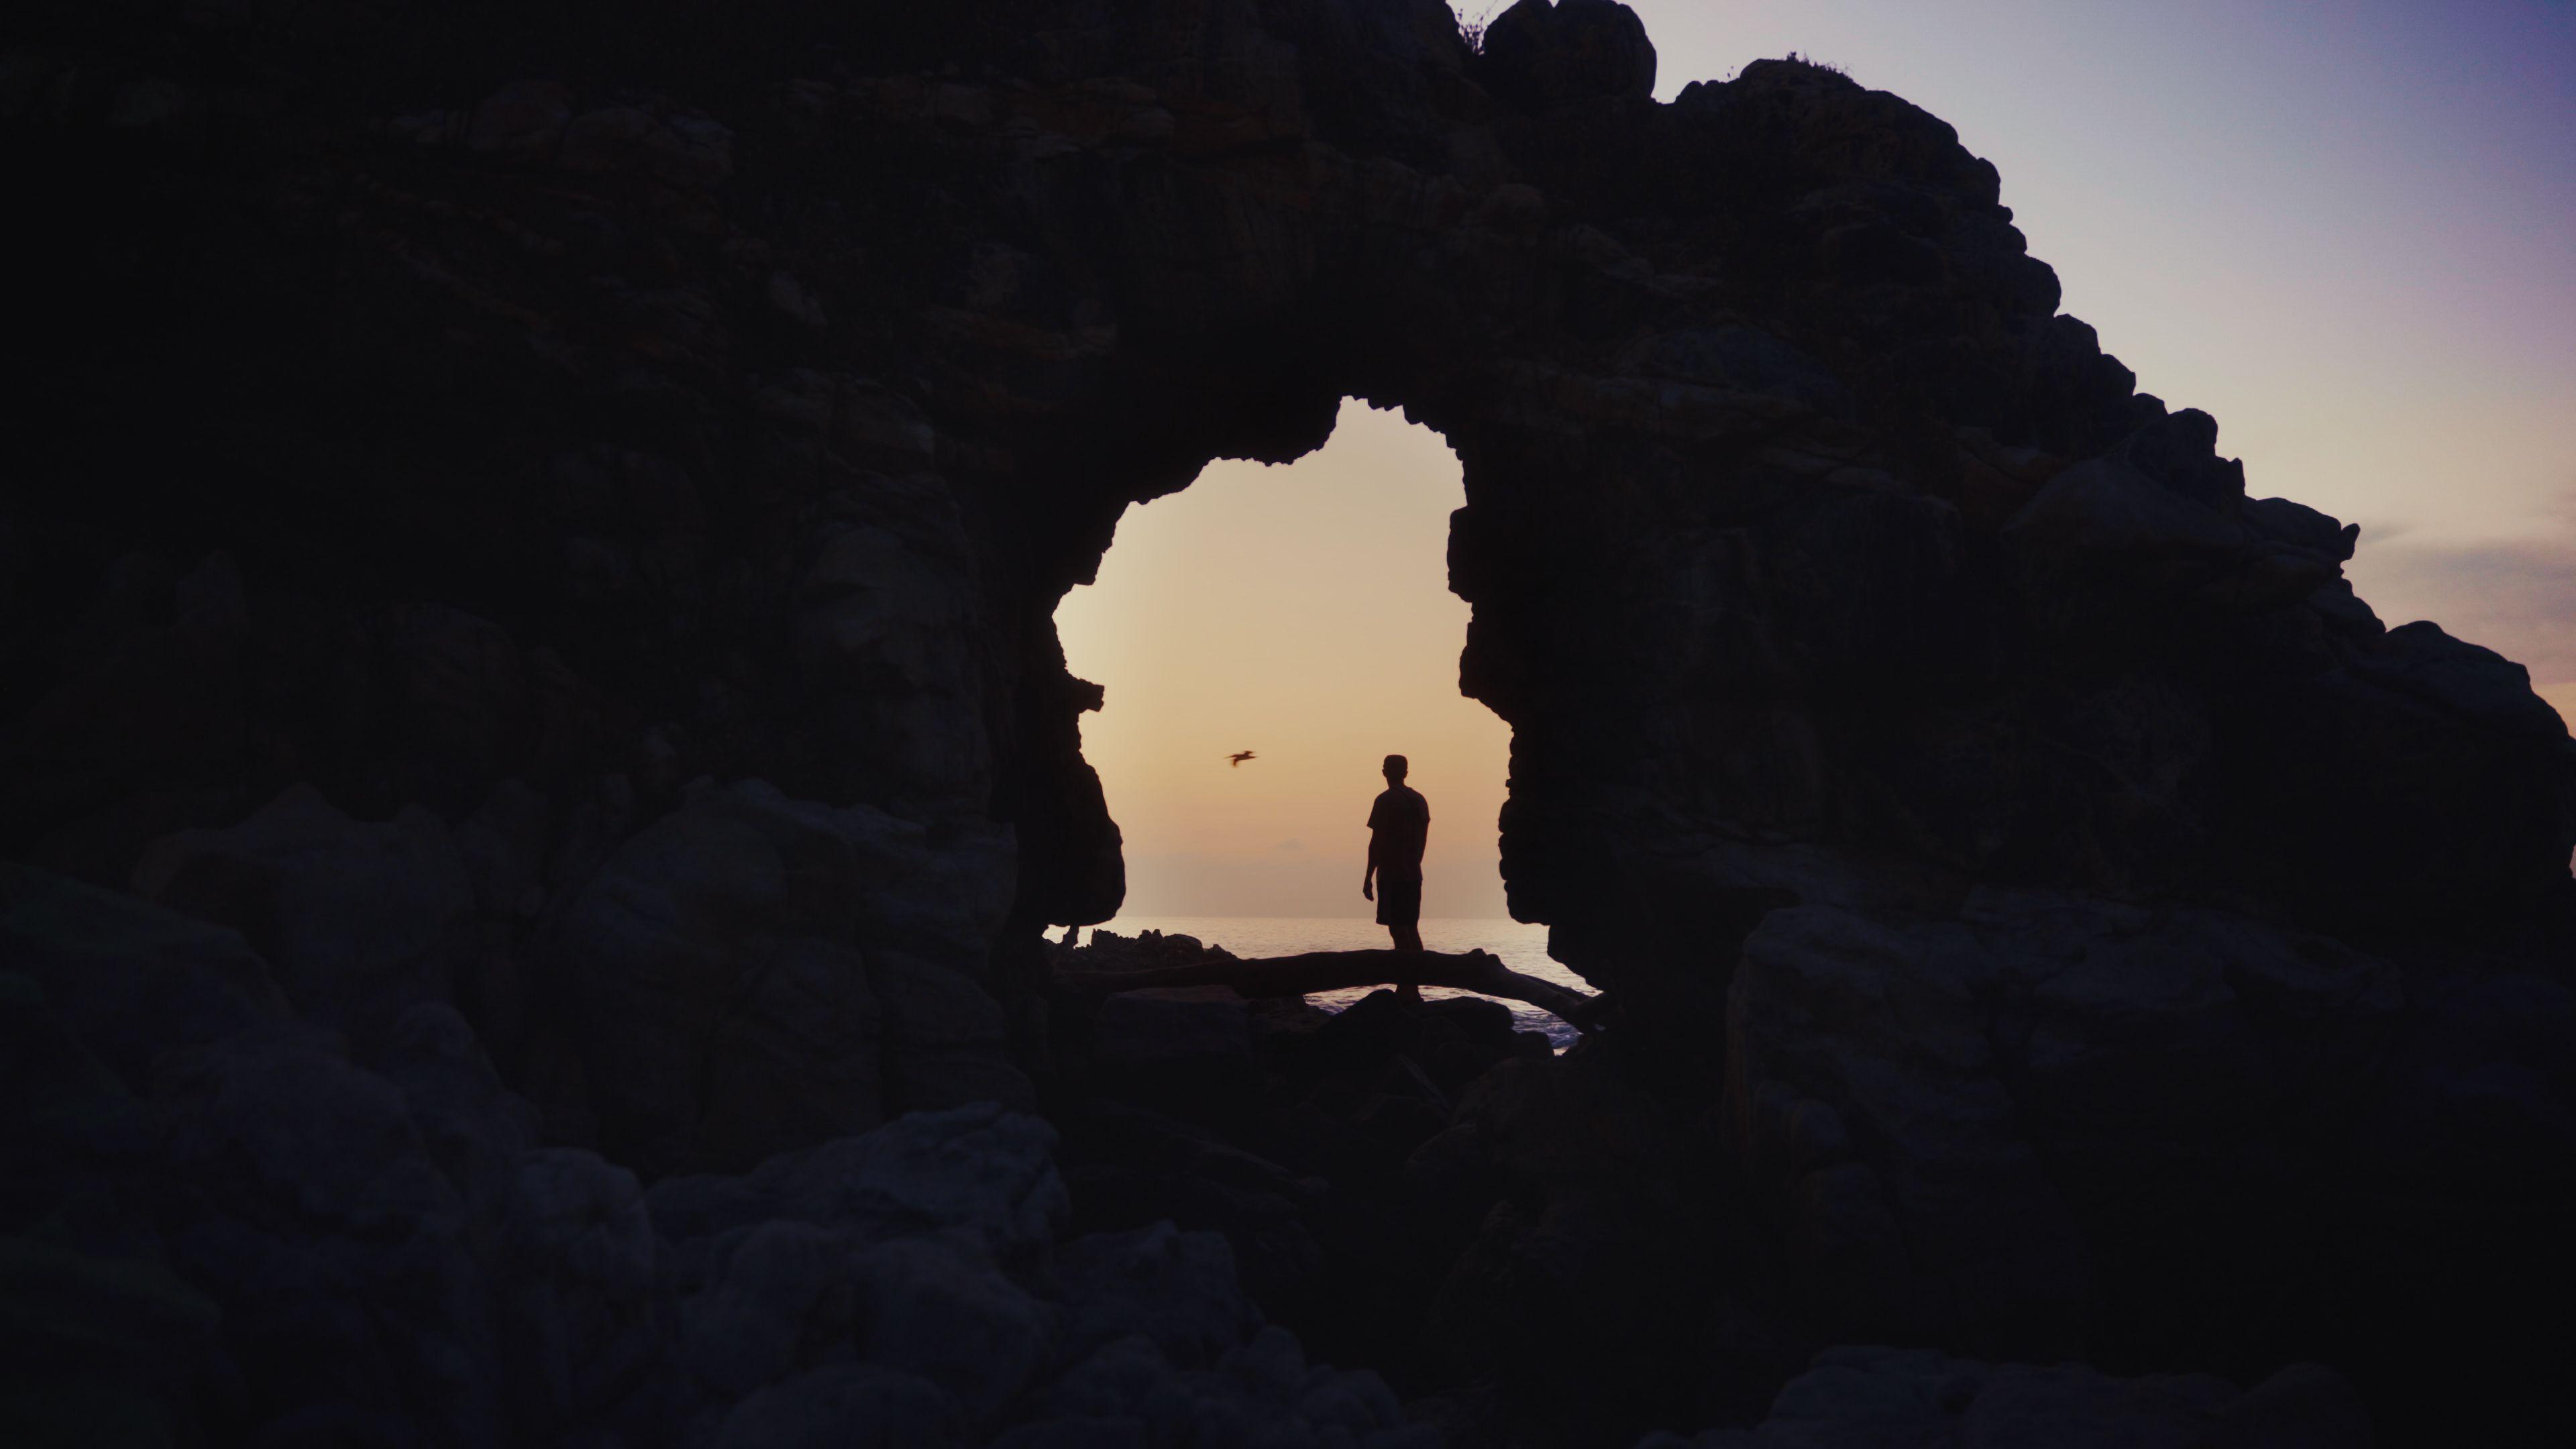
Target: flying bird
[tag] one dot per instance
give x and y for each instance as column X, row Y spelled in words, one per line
column 1238, row 757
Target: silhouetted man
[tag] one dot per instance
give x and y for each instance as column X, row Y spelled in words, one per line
column 1399, row 824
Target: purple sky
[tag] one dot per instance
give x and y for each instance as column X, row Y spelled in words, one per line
column 2347, row 229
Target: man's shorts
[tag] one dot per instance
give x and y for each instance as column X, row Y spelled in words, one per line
column 1399, row 902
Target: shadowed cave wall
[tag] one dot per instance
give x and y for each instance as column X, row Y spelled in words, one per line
column 569, row 532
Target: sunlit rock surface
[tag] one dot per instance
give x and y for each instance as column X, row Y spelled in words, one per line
column 527, row 585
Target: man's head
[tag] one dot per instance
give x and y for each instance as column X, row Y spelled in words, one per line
column 1395, row 768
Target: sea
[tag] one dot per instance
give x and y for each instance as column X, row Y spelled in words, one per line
column 1521, row 947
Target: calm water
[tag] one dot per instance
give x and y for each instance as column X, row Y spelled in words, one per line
column 1522, row 948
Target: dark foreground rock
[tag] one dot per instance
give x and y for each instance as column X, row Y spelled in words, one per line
column 222, row 1228
column 1874, row 1398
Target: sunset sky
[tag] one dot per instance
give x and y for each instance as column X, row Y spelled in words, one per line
column 2348, row 230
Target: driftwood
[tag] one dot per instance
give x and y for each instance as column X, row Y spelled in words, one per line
column 1477, row 971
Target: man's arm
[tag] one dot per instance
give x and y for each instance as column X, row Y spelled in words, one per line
column 1377, row 811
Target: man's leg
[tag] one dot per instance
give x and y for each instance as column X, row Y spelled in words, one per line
column 1407, row 929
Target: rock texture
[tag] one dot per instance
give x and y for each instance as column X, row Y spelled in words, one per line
column 1870, row 1398
column 532, row 544
column 225, row 1230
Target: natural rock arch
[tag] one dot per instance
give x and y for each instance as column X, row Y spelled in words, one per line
column 545, row 488
column 1762, row 574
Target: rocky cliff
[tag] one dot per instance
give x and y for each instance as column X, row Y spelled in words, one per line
column 530, row 557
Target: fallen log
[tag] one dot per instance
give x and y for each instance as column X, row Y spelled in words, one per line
column 1477, row 971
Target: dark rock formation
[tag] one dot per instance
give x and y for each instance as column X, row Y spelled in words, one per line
column 237, row 1234
column 533, row 535
column 1869, row 1398
column 1338, row 1152
column 1537, row 56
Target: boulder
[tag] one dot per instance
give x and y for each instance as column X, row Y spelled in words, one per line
column 2479, row 1093
column 339, row 1254
column 1538, row 56
column 1263, row 1393
column 774, row 1288
column 2104, row 537
column 753, row 973
column 1583, row 1282
column 1173, row 1024
column 1189, row 1047
column 717, row 994
column 1871, row 1398
column 2299, row 526
column 1129, row 1166
column 2421, row 662
column 845, row 1406
column 2179, row 452
column 937, row 890
column 1077, row 1433
column 105, row 1340
column 976, row 1168
column 940, row 1307
column 1951, row 1224
column 1177, row 1290
column 884, row 621
column 356, row 921
column 1957, row 1122
column 582, row 1320
column 475, row 1128
column 1842, row 1031
column 132, row 979
column 948, row 1041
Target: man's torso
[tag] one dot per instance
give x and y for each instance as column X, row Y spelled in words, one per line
column 1401, row 819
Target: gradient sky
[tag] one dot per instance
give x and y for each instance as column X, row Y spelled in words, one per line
column 1303, row 613
column 2348, row 230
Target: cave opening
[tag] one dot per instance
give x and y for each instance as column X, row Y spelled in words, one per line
column 1299, row 612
